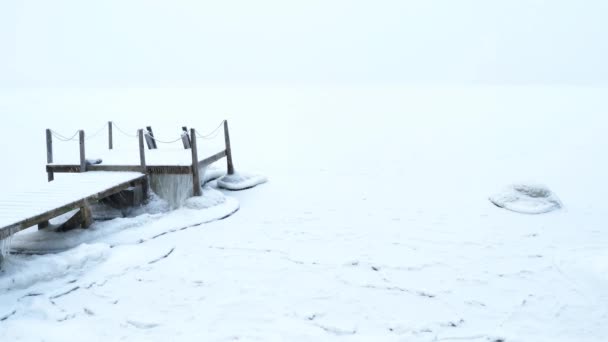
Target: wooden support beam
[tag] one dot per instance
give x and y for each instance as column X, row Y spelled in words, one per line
column 49, row 153
column 145, row 188
column 142, row 151
column 83, row 161
column 230, row 165
column 186, row 140
column 83, row 218
column 150, row 169
column 87, row 216
column 196, row 180
column 150, row 141
column 210, row 160
column 110, row 137
column 71, row 223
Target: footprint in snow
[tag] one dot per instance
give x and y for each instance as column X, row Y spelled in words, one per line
column 142, row 325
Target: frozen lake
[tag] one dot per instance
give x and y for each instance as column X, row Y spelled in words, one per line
column 375, row 223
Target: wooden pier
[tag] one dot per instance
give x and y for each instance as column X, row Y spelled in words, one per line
column 93, row 181
column 30, row 207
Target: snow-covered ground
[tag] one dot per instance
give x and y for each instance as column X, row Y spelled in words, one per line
column 375, row 224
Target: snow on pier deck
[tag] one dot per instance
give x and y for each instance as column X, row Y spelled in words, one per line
column 26, row 208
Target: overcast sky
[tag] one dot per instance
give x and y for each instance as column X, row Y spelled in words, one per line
column 74, row 43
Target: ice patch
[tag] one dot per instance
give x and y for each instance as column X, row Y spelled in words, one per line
column 527, row 199
column 176, row 189
column 240, row 181
column 5, row 247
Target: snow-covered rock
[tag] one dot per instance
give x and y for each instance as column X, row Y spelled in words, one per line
column 527, row 199
column 210, row 198
column 240, row 181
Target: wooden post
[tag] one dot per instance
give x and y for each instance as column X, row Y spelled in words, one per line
column 87, row 216
column 50, row 174
column 196, row 180
column 142, row 151
column 185, row 138
column 49, row 153
column 83, row 161
column 110, row 138
column 230, row 166
column 150, row 139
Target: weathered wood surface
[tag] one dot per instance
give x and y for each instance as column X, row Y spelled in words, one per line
column 49, row 153
column 27, row 208
column 83, row 218
column 110, row 137
column 150, row 141
column 83, row 159
column 196, row 180
column 210, row 160
column 142, row 151
column 150, row 169
column 186, row 141
column 229, row 164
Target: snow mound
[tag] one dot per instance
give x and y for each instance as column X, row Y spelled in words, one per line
column 240, row 181
column 210, row 198
column 212, row 174
column 527, row 199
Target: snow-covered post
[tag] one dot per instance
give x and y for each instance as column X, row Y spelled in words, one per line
column 150, row 139
column 196, row 180
column 50, row 174
column 49, row 153
column 110, row 142
column 230, row 166
column 83, row 161
column 142, row 151
column 186, row 138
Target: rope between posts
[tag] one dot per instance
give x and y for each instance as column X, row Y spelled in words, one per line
column 123, row 132
column 162, row 141
column 63, row 138
column 212, row 134
column 101, row 129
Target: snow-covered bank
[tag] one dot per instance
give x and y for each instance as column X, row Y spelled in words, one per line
column 375, row 227
column 147, row 224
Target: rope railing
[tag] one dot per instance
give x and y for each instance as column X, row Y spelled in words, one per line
column 123, row 132
column 62, row 137
column 163, row 141
column 101, row 129
column 189, row 142
column 211, row 135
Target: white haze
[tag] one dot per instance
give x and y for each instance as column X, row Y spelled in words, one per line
column 71, row 43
